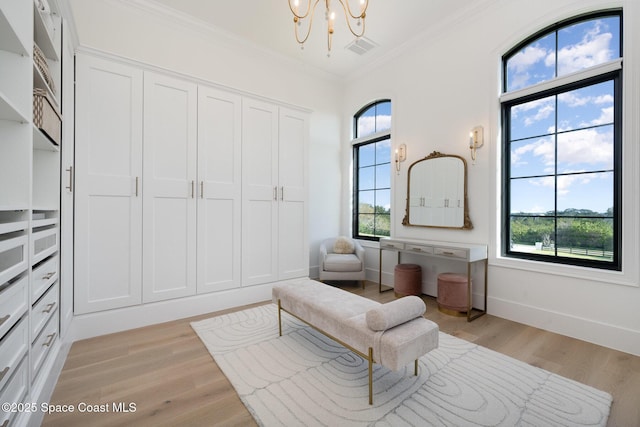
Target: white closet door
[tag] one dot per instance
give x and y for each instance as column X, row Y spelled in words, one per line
column 260, row 192
column 169, row 201
column 293, row 245
column 67, row 191
column 108, row 210
column 219, row 190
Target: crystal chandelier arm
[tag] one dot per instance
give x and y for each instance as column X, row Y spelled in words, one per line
column 347, row 13
column 347, row 9
column 297, row 18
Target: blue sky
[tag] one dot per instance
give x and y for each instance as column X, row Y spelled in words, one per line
column 573, row 129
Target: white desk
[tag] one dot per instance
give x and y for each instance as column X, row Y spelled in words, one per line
column 441, row 250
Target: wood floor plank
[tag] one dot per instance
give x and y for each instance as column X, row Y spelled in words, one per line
column 170, row 376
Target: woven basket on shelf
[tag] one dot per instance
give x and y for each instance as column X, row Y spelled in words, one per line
column 42, row 65
column 45, row 116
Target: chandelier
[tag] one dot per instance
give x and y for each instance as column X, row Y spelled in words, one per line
column 330, row 16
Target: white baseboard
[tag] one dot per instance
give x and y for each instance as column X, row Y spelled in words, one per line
column 599, row 333
column 110, row 321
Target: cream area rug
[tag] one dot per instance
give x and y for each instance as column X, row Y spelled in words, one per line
column 305, row 379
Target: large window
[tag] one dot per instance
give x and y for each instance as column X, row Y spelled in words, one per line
column 562, row 144
column 372, row 171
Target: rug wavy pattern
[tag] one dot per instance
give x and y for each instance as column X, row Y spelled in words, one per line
column 304, row 378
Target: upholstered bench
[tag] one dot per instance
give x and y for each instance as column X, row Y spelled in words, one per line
column 392, row 334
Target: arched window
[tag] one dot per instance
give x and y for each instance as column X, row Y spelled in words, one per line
column 562, row 127
column 372, row 171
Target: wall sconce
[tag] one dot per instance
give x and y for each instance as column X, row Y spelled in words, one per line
column 401, row 156
column 476, row 140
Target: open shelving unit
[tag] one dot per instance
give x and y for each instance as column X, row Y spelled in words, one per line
column 29, row 205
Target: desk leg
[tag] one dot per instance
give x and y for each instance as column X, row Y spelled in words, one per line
column 470, row 295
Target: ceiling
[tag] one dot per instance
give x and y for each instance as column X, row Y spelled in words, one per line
column 269, row 25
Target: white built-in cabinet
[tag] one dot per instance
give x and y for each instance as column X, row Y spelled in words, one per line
column 182, row 188
column 169, row 183
column 219, row 190
column 274, row 193
column 108, row 188
column 29, row 206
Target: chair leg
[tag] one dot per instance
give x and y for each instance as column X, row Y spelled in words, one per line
column 415, row 369
column 363, row 283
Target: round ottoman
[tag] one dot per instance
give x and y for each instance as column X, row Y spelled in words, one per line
column 407, row 280
column 453, row 294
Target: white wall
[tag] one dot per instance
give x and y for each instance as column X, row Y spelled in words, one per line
column 169, row 42
column 446, row 82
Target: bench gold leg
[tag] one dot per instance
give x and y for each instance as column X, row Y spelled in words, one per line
column 415, row 371
column 279, row 318
column 370, row 376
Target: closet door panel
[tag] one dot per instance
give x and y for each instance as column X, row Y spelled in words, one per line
column 260, row 192
column 169, row 201
column 108, row 210
column 220, row 189
column 293, row 245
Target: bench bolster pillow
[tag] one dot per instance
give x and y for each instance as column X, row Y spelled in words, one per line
column 395, row 313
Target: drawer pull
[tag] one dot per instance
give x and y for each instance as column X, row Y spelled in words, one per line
column 49, row 307
column 417, row 249
column 48, row 275
column 4, row 319
column 3, row 373
column 50, row 340
column 447, row 253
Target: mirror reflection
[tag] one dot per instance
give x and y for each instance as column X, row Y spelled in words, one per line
column 437, row 192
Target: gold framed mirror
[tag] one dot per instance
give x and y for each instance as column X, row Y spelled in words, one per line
column 437, row 192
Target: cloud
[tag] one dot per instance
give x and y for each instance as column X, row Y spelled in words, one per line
column 368, row 125
column 593, row 49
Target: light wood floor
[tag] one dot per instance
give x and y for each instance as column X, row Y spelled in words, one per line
column 166, row 371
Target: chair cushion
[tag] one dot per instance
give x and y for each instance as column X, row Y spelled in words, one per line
column 344, row 245
column 395, row 313
column 342, row 262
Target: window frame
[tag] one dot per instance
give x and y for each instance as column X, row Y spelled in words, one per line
column 610, row 71
column 357, row 143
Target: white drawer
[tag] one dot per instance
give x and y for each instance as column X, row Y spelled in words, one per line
column 42, row 345
column 13, row 255
column 44, row 309
column 14, row 302
column 421, row 249
column 454, row 253
column 13, row 347
column 43, row 276
column 15, row 391
column 391, row 244
column 43, row 243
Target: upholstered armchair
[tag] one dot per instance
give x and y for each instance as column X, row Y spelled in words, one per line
column 341, row 258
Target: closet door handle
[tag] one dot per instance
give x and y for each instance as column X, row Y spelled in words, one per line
column 193, row 189
column 202, row 189
column 282, row 193
column 137, row 185
column 275, row 193
column 70, row 186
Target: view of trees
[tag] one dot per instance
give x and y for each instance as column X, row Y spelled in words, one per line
column 374, row 221
column 576, row 228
